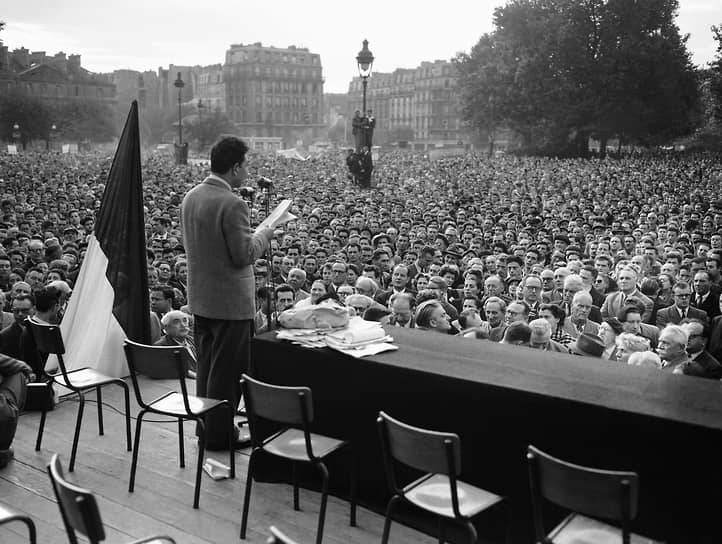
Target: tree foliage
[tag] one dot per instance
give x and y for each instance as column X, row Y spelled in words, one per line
column 207, row 128
column 559, row 71
column 31, row 115
column 715, row 76
column 75, row 121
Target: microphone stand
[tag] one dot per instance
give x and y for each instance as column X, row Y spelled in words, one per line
column 267, row 188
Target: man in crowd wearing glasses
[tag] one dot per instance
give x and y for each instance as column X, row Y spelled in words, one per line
column 681, row 309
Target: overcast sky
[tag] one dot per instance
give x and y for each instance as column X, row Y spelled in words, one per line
column 146, row 34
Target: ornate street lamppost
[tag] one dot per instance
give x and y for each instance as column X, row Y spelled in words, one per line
column 16, row 135
column 360, row 162
column 53, row 134
column 182, row 150
column 201, row 105
column 365, row 60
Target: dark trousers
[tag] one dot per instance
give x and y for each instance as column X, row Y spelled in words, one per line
column 224, row 353
column 12, row 398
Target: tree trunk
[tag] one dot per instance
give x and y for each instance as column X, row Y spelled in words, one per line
column 603, row 147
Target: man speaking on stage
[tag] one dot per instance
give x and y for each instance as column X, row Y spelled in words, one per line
column 221, row 249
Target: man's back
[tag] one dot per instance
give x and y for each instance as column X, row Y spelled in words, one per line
column 221, row 250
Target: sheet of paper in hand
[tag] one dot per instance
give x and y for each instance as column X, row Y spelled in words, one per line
column 278, row 216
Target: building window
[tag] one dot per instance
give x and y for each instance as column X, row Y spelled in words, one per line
column 259, row 117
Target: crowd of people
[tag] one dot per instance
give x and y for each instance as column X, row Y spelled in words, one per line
column 618, row 259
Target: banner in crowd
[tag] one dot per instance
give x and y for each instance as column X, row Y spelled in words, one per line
column 110, row 301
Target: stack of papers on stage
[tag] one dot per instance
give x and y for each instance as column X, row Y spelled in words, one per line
column 358, row 339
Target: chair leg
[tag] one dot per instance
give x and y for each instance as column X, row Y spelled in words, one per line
column 76, row 437
column 442, row 530
column 126, row 392
column 99, row 394
column 352, row 492
column 181, row 448
column 231, row 436
column 472, row 532
column 387, row 521
column 294, row 480
column 509, row 534
column 324, row 499
column 134, row 463
column 27, row 520
column 31, row 529
column 199, row 463
column 247, row 495
column 41, row 428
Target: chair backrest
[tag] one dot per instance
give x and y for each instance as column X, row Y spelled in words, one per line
column 171, row 361
column 277, row 537
column 77, row 506
column 598, row 493
column 278, row 403
column 425, row 450
column 48, row 339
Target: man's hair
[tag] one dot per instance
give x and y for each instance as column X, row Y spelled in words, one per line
column 465, row 316
column 540, row 326
column 170, row 316
column 496, row 300
column 593, row 271
column 517, row 332
column 628, row 309
column 45, row 298
column 405, row 296
column 227, row 152
column 525, row 307
column 367, row 283
column 283, row 288
column 649, row 287
column 168, row 292
column 375, row 314
column 424, row 313
column 702, row 322
column 677, row 332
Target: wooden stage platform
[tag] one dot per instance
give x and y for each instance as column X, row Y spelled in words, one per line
column 162, row 501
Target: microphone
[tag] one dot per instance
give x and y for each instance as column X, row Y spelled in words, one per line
column 264, row 183
column 247, row 192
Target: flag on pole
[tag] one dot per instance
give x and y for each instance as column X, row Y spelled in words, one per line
column 110, row 299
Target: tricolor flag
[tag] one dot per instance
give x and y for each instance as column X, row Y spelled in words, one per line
column 110, row 299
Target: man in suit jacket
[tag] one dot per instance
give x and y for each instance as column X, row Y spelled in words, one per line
column 702, row 363
column 578, row 321
column 680, row 309
column 706, row 297
column 614, row 302
column 176, row 326
column 399, row 284
column 221, row 250
column 574, row 284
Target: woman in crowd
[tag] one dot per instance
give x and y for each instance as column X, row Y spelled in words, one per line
column 609, row 330
column 555, row 315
